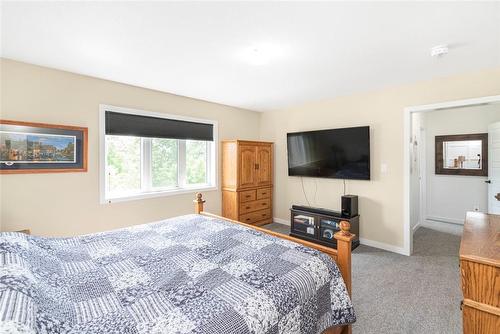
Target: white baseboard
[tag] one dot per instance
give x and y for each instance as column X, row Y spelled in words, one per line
column 451, row 228
column 382, row 245
column 281, row 221
column 447, row 220
column 416, row 227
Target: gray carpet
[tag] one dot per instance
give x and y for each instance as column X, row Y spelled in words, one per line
column 393, row 293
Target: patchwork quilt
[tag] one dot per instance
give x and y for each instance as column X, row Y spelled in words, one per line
column 189, row 274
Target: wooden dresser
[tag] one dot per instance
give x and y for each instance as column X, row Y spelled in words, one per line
column 480, row 273
column 247, row 181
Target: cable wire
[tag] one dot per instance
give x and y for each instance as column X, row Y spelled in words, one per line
column 304, row 190
column 315, row 190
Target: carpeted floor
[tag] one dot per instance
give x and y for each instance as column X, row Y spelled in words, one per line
column 393, row 293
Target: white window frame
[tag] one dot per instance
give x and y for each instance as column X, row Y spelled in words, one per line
column 212, row 158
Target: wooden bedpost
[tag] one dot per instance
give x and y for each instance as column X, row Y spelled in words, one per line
column 198, row 203
column 344, row 247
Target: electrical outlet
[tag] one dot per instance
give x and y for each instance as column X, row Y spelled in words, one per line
column 476, row 207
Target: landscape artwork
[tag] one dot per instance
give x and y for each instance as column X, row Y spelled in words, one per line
column 18, row 147
column 27, row 147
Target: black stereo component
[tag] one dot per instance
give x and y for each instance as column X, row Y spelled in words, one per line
column 320, row 211
column 349, row 206
column 320, row 225
column 327, row 233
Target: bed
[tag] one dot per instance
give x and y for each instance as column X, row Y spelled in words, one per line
column 197, row 273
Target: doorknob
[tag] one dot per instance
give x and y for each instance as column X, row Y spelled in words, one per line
column 497, row 197
column 488, row 181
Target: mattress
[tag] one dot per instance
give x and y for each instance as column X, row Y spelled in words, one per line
column 189, row 274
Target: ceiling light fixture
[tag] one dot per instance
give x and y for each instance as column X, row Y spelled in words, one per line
column 439, row 50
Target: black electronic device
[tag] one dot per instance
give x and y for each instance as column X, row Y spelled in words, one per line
column 320, row 225
column 333, row 153
column 320, row 211
column 349, row 206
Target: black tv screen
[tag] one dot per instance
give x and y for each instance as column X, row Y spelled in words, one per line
column 335, row 153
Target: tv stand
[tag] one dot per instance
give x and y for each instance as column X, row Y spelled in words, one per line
column 319, row 225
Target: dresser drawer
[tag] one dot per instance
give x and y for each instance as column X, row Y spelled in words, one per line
column 479, row 282
column 256, row 216
column 476, row 321
column 263, row 193
column 247, row 196
column 255, row 205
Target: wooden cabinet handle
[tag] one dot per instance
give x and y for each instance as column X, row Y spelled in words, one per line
column 256, row 166
column 263, row 215
column 263, row 193
column 248, row 196
column 247, row 207
column 264, row 203
column 247, row 219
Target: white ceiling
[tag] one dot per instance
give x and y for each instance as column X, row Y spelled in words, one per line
column 317, row 50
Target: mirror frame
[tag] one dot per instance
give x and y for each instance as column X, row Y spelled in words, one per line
column 439, row 169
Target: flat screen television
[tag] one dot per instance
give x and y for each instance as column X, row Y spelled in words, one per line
column 334, row 153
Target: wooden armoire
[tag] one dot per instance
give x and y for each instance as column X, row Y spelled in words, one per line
column 247, row 181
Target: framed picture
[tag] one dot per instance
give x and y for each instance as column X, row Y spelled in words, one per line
column 462, row 154
column 42, row 148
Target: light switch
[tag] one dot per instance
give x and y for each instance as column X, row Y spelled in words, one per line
column 383, row 168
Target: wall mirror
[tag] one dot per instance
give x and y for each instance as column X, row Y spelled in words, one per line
column 462, row 154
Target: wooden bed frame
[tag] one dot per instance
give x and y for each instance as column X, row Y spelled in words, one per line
column 341, row 255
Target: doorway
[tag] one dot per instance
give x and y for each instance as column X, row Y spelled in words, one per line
column 419, row 171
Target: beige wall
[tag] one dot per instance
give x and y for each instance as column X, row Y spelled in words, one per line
column 68, row 203
column 381, row 199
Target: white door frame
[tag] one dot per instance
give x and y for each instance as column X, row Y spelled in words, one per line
column 408, row 238
column 492, row 177
column 423, row 179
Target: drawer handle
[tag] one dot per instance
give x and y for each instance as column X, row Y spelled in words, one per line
column 248, row 196
column 263, row 215
column 247, row 207
column 248, row 219
column 264, row 203
column 263, row 193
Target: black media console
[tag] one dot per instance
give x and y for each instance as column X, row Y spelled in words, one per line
column 319, row 225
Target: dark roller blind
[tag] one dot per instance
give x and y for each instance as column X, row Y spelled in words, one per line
column 155, row 127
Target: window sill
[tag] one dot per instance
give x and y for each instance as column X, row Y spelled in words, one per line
column 154, row 194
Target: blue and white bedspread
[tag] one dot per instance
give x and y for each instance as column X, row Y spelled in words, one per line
column 189, row 274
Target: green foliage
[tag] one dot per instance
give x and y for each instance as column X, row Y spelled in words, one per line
column 196, row 162
column 164, row 162
column 124, row 163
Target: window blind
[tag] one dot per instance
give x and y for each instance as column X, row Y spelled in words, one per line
column 121, row 124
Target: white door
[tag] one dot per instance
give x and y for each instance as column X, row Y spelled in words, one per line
column 494, row 168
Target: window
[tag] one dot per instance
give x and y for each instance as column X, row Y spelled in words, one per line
column 164, row 163
column 196, row 162
column 123, row 156
column 148, row 154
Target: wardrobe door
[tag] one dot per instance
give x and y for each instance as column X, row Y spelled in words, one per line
column 264, row 165
column 247, row 166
